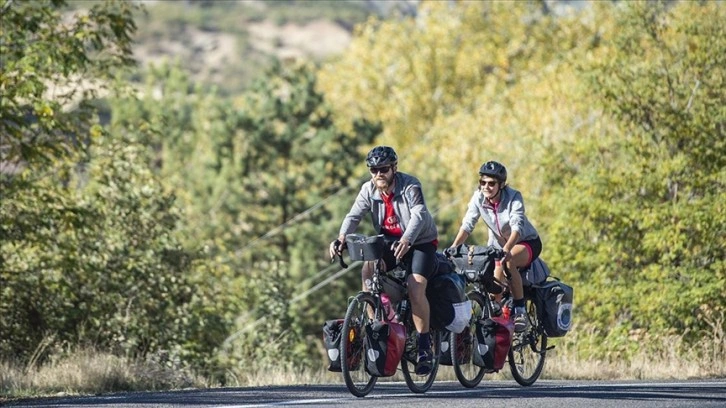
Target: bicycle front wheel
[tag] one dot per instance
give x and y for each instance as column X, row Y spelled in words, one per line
column 529, row 348
column 352, row 345
column 465, row 343
column 420, row 383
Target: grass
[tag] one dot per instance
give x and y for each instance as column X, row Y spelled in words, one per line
column 91, row 372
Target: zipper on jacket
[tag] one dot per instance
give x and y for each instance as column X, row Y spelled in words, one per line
column 496, row 217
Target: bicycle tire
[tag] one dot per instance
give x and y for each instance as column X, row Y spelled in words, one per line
column 529, row 348
column 352, row 345
column 421, row 383
column 465, row 343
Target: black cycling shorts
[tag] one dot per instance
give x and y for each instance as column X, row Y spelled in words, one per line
column 420, row 259
column 534, row 247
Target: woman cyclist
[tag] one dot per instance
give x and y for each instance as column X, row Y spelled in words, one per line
column 502, row 209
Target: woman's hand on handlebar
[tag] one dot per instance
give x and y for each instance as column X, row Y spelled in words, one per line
column 506, row 255
column 450, row 251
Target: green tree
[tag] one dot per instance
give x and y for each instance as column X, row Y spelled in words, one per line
column 609, row 120
column 89, row 249
column 97, row 265
column 259, row 181
column 463, row 83
column 51, row 70
column 293, row 160
column 648, row 195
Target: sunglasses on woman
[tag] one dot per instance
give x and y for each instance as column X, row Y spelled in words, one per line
column 490, row 183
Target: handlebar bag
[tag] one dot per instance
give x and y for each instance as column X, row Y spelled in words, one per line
column 365, row 248
column 476, row 262
column 385, row 342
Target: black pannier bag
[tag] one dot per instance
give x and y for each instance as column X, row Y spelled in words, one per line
column 331, row 339
column 474, row 260
column 555, row 301
column 463, row 345
column 385, row 342
column 450, row 308
column 445, row 358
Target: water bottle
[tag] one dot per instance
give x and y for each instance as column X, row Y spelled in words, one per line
column 387, row 307
column 506, row 312
column 507, row 309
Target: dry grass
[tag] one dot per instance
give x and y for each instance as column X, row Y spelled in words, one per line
column 90, row 372
column 672, row 359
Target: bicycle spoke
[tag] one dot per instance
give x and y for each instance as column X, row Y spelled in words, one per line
column 528, row 351
column 422, row 383
column 352, row 346
column 464, row 344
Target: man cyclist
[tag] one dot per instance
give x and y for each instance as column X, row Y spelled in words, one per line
column 395, row 202
column 502, row 209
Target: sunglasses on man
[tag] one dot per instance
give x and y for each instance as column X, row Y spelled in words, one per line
column 490, row 183
column 382, row 170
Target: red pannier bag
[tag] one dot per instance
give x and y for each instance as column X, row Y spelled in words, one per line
column 385, row 342
column 494, row 337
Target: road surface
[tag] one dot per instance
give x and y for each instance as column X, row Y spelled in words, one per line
column 543, row 394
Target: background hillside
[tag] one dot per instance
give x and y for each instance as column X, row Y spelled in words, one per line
column 174, row 171
column 228, row 44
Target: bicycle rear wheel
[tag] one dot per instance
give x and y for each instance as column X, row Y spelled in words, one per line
column 464, row 343
column 529, row 348
column 352, row 345
column 420, row 383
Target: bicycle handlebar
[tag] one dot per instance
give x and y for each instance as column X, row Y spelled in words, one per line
column 498, row 255
column 339, row 246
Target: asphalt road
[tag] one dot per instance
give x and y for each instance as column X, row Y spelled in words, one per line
column 543, row 394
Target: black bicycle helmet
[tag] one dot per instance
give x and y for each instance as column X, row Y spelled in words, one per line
column 381, row 156
column 495, row 170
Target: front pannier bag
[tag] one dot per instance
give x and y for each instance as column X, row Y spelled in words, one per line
column 463, row 347
column 556, row 303
column 331, row 339
column 385, row 342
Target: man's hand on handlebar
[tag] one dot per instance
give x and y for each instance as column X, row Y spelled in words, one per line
column 400, row 248
column 336, row 248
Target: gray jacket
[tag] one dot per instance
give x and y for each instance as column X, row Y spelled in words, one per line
column 408, row 202
column 508, row 216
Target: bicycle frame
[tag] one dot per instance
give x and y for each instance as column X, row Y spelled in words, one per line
column 368, row 305
column 528, row 349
